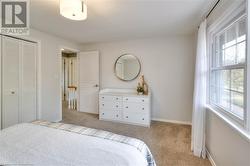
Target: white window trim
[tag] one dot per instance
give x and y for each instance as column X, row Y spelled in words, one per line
column 228, row 23
column 237, row 9
column 245, row 134
column 248, row 68
column 231, row 114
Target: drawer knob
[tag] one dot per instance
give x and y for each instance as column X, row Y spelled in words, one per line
column 103, row 97
column 143, row 119
column 126, row 116
column 116, row 98
column 142, row 108
column 117, row 116
column 102, row 104
column 142, row 100
column 126, row 107
column 117, row 106
column 127, row 99
column 102, row 113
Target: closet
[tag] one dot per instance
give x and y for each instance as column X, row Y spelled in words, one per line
column 18, row 78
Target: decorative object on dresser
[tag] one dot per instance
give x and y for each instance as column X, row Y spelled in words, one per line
column 125, row 106
column 142, row 87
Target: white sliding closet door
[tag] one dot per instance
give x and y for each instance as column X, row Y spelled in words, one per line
column 28, row 82
column 18, row 81
column 10, row 81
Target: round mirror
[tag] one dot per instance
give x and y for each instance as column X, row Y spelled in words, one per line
column 127, row 67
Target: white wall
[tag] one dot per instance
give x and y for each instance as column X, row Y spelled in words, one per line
column 168, row 66
column 50, row 73
column 0, row 83
column 248, row 61
column 226, row 146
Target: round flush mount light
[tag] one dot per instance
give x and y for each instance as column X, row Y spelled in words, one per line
column 73, row 9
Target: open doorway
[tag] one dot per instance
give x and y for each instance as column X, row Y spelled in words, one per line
column 69, row 80
column 79, row 83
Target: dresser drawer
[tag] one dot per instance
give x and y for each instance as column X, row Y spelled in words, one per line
column 136, row 118
column 135, row 107
column 110, row 105
column 123, row 105
column 110, row 115
column 110, row 98
column 135, row 99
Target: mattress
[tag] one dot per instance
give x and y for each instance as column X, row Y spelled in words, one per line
column 45, row 143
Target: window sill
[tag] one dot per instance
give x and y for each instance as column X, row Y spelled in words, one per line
column 240, row 130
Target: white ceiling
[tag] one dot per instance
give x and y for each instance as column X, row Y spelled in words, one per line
column 111, row 20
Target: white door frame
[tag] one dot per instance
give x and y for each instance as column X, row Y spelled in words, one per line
column 60, row 75
column 38, row 75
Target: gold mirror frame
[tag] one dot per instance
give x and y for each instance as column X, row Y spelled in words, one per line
column 137, row 73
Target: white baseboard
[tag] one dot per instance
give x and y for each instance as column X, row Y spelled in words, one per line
column 171, row 121
column 59, row 120
column 210, row 158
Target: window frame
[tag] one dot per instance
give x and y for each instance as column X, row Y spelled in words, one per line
column 216, row 29
column 230, row 68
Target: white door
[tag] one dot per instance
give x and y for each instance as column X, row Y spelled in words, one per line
column 18, row 81
column 10, row 81
column 89, row 81
column 28, row 82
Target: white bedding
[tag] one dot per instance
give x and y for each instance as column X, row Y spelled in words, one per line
column 39, row 145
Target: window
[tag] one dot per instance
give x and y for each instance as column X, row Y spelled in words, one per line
column 228, row 70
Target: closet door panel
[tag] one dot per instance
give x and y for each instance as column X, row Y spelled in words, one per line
column 10, row 80
column 28, row 82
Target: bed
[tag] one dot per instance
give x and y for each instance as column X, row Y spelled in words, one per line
column 47, row 143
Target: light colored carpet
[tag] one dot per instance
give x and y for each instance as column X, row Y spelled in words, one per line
column 169, row 143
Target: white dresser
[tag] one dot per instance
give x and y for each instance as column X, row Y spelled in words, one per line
column 124, row 105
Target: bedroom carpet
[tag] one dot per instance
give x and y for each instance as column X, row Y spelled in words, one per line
column 169, row 143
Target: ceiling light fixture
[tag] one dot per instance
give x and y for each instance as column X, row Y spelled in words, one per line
column 73, row 9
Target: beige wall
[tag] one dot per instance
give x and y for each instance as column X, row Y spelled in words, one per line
column 225, row 144
column 168, row 66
